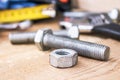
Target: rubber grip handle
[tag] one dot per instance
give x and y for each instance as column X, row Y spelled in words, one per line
column 110, row 30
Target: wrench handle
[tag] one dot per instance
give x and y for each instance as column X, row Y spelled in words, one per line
column 111, row 30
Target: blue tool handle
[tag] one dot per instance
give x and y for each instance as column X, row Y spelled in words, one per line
column 110, row 30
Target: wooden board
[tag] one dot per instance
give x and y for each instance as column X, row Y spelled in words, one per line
column 98, row 5
column 26, row 62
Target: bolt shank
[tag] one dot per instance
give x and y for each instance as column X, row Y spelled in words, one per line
column 83, row 48
column 19, row 38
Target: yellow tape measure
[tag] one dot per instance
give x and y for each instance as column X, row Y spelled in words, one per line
column 38, row 12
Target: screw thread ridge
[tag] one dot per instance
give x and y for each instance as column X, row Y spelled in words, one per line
column 87, row 49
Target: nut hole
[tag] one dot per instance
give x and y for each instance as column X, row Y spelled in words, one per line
column 62, row 53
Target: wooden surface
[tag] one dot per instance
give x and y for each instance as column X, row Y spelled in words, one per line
column 26, row 62
column 98, row 5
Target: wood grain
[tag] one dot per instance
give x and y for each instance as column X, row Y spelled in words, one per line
column 26, row 62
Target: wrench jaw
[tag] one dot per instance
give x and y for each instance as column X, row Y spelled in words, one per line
column 82, row 28
column 86, row 23
column 65, row 25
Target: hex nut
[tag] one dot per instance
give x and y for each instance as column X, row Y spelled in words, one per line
column 63, row 58
column 73, row 32
column 39, row 38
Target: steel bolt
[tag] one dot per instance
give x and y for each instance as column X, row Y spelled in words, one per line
column 28, row 37
column 45, row 40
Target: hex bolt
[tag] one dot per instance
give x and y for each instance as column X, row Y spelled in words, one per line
column 28, row 37
column 45, row 40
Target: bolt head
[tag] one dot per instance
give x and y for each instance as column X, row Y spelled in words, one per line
column 73, row 32
column 114, row 14
column 39, row 38
column 65, row 25
column 63, row 58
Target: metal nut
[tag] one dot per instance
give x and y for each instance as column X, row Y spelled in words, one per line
column 63, row 58
column 39, row 38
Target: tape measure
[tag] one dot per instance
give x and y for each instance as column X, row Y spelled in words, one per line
column 38, row 12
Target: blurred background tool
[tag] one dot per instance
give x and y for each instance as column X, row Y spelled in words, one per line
column 18, row 25
column 17, row 11
column 3, row 4
column 16, row 14
column 100, row 23
column 31, row 13
column 61, row 5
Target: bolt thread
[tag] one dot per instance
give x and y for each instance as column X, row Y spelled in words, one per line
column 19, row 38
column 87, row 49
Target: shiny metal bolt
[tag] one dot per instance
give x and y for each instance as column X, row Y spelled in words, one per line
column 28, row 37
column 45, row 40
